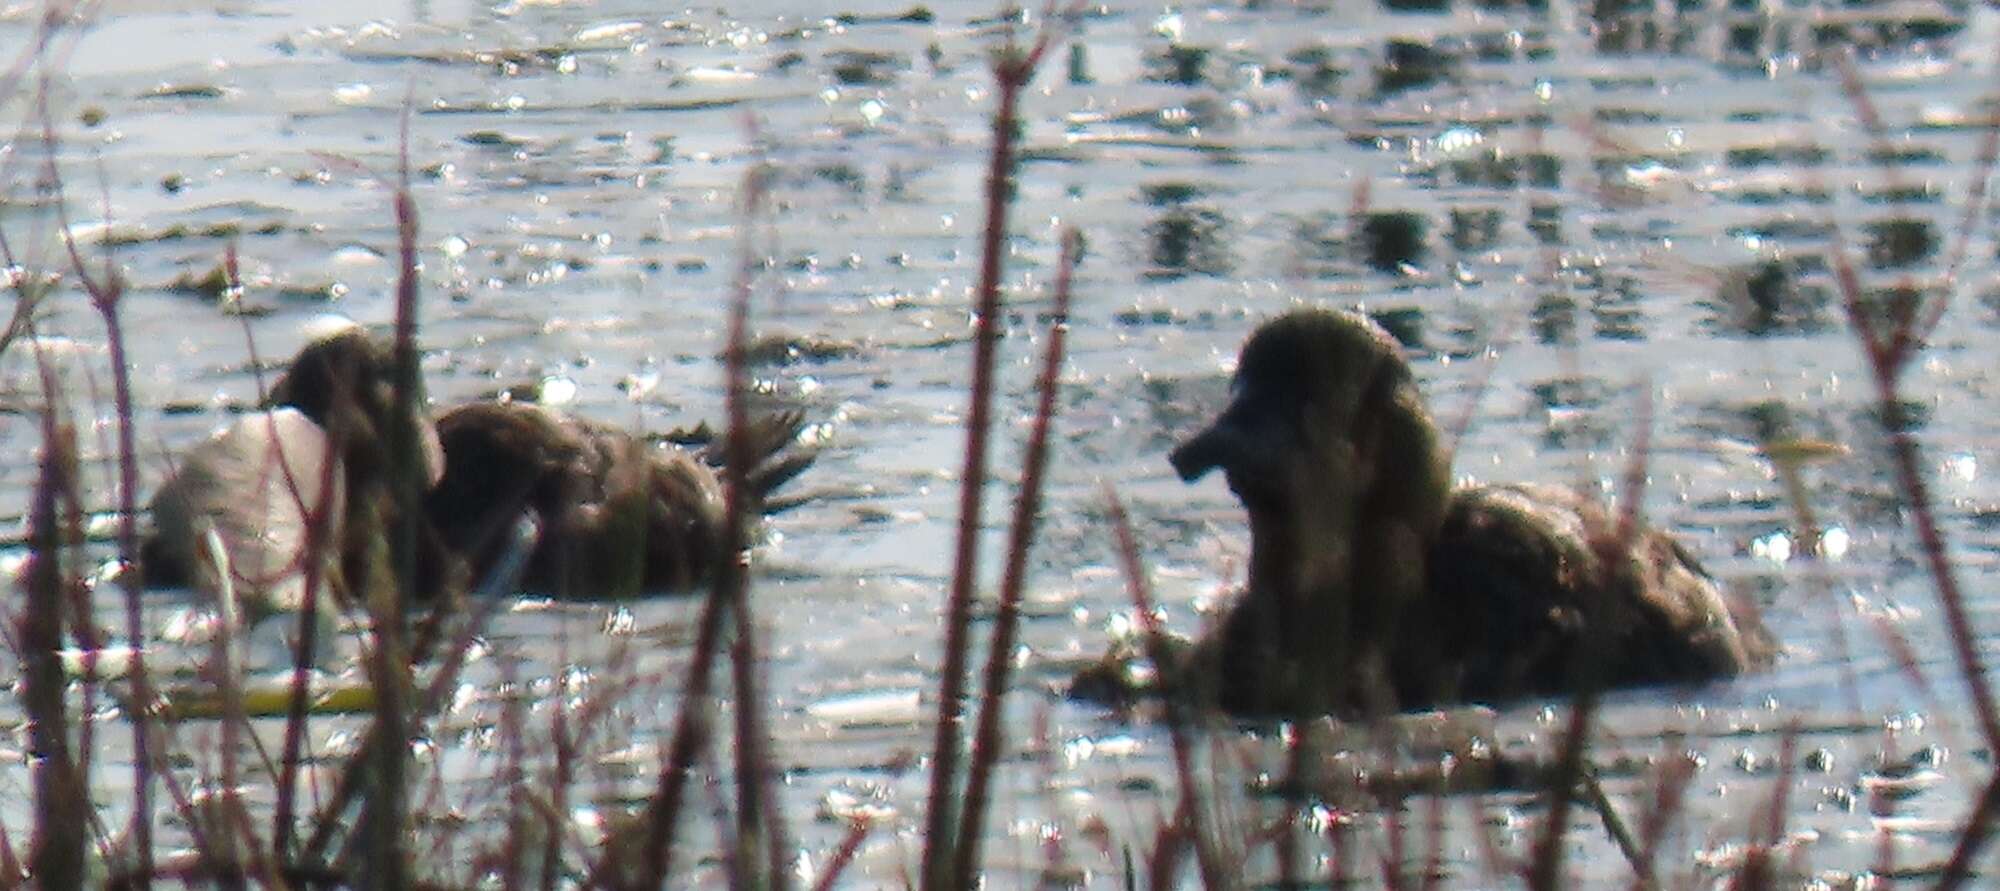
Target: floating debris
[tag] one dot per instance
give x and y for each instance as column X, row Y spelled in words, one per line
column 184, row 91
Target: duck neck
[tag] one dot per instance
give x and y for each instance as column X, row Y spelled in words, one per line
column 1297, row 562
column 1336, row 576
column 1297, row 620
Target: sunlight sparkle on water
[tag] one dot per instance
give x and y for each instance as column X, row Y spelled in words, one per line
column 1776, row 547
column 872, row 708
column 869, row 803
column 1084, row 748
column 1458, row 140
column 608, row 33
column 620, row 623
column 1962, row 467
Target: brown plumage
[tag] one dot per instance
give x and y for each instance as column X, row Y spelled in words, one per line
column 1374, row 587
column 619, row 515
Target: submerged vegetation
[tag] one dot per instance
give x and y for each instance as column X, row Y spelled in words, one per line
column 220, row 775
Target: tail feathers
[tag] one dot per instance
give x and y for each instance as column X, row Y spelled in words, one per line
column 776, row 455
column 767, row 434
column 766, row 477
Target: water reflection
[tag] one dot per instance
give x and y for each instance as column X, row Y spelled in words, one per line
column 1412, row 65
column 1186, row 237
column 1769, row 298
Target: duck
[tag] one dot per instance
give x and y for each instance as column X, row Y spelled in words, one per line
column 315, row 450
column 615, row 514
column 1376, row 586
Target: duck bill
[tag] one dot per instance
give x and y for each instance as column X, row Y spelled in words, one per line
column 1211, row 448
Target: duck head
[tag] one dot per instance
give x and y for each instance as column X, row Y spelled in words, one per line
column 345, row 381
column 1324, row 419
column 263, row 482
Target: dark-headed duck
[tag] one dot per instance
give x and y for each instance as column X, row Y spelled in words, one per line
column 319, row 445
column 617, row 515
column 1374, row 586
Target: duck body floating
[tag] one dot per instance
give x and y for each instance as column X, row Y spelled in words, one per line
column 617, row 515
column 1374, row 586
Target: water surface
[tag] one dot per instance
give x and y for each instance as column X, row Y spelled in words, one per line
column 1648, row 202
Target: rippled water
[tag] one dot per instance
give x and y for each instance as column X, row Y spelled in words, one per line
column 1649, row 200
